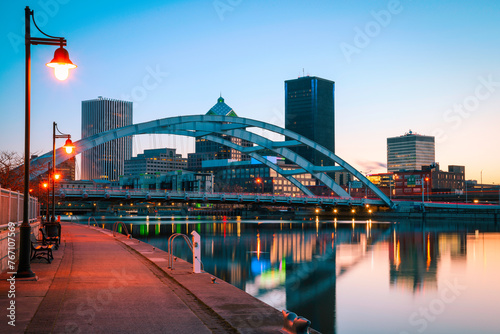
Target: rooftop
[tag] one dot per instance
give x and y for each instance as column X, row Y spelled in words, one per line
column 221, row 109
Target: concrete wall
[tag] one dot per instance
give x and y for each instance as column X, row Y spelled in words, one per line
column 4, row 245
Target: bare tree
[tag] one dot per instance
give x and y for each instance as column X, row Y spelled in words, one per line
column 11, row 173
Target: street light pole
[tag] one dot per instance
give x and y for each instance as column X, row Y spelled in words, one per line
column 24, row 266
column 69, row 148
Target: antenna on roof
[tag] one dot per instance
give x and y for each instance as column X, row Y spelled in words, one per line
column 303, row 72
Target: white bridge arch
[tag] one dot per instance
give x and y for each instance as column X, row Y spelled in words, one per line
column 210, row 126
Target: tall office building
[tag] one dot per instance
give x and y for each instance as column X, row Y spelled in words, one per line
column 105, row 161
column 410, row 151
column 310, row 112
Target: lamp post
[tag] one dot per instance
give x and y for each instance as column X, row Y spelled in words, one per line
column 61, row 64
column 68, row 146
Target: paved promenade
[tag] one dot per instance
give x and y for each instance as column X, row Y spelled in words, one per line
column 101, row 284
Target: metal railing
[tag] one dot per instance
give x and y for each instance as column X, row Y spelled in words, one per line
column 115, row 228
column 88, row 222
column 11, row 207
column 170, row 249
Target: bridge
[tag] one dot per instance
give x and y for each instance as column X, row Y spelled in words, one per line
column 234, row 198
column 213, row 128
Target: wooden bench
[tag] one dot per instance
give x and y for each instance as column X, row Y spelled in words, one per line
column 40, row 251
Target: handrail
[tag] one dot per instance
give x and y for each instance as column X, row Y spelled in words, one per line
column 170, row 249
column 115, row 227
column 88, row 222
column 71, row 219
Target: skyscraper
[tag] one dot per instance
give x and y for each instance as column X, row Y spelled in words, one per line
column 310, row 112
column 410, row 151
column 106, row 160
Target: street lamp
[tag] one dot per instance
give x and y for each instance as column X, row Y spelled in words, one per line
column 69, row 147
column 24, row 267
column 260, row 184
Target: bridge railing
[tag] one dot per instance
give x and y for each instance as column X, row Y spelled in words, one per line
column 11, row 207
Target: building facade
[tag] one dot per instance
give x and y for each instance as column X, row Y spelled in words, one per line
column 410, row 151
column 255, row 177
column 310, row 112
column 160, row 160
column 174, row 181
column 105, row 161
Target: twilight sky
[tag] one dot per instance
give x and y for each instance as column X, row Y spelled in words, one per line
column 428, row 66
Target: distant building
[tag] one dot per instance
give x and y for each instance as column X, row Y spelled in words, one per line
column 174, row 181
column 255, row 177
column 209, row 150
column 310, row 112
column 410, row 151
column 65, row 169
column 160, row 160
column 105, row 161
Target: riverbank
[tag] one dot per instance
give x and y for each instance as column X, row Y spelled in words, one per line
column 98, row 283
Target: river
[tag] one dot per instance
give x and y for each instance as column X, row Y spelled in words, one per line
column 351, row 276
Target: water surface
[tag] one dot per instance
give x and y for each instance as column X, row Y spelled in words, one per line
column 353, row 276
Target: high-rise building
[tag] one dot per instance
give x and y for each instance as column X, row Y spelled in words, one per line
column 209, row 150
column 159, row 160
column 310, row 112
column 410, row 151
column 105, row 161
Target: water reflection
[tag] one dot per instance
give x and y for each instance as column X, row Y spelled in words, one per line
column 335, row 273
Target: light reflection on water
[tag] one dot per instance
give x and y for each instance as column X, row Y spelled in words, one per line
column 354, row 276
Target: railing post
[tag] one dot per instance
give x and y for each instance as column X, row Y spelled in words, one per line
column 196, row 253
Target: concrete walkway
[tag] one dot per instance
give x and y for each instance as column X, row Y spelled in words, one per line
column 101, row 284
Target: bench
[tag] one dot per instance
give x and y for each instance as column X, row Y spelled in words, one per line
column 52, row 240
column 40, row 251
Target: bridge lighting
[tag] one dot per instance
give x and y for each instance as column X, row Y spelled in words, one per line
column 353, row 211
column 61, row 63
column 335, row 210
column 317, row 210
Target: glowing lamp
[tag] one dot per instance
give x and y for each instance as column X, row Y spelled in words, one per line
column 45, row 184
column 57, row 176
column 61, row 64
column 69, row 146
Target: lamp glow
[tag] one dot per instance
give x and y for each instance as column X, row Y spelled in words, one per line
column 61, row 64
column 69, row 146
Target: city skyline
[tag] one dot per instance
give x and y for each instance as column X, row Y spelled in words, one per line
column 397, row 66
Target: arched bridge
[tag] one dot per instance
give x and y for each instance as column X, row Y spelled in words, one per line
column 211, row 127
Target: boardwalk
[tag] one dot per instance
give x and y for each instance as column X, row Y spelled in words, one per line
column 99, row 284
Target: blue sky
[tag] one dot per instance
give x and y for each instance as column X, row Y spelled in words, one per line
column 428, row 66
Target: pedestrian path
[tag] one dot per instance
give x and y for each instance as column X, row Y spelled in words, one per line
column 101, row 284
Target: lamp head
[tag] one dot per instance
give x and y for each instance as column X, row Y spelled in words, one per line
column 69, row 146
column 61, row 63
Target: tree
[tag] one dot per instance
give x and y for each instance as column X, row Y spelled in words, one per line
column 11, row 171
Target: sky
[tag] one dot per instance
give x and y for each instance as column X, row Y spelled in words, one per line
column 431, row 67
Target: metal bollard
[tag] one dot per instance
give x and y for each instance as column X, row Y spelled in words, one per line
column 293, row 324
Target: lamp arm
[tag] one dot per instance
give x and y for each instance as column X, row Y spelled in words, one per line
column 61, row 135
column 33, row 18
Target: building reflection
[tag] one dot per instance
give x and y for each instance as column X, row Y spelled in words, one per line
column 289, row 265
column 414, row 255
